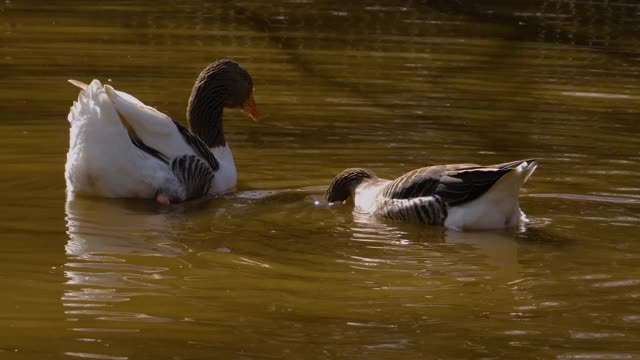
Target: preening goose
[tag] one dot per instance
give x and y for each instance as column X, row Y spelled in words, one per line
column 121, row 148
column 461, row 196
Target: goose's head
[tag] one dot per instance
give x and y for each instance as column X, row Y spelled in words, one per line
column 223, row 83
column 345, row 184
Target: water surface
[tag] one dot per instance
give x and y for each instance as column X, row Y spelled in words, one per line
column 267, row 272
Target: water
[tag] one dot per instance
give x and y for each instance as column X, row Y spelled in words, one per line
column 268, row 272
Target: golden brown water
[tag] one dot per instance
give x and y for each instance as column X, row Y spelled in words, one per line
column 266, row 273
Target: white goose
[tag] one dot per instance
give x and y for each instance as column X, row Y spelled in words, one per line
column 121, row 148
column 461, row 196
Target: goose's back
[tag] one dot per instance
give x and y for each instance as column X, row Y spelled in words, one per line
column 459, row 195
column 102, row 160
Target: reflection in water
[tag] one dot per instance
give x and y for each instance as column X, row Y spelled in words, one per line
column 108, row 254
column 98, row 227
column 391, row 85
column 499, row 248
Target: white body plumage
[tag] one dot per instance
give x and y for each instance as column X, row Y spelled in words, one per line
column 104, row 161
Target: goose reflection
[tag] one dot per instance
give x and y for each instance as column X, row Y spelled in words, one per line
column 116, row 251
column 99, row 230
column 499, row 249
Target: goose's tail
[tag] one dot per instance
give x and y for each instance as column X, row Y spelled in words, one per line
column 88, row 99
column 79, row 84
column 499, row 207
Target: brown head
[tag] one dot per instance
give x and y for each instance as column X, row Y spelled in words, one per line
column 345, row 183
column 222, row 84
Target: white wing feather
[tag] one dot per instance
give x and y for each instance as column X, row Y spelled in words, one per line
column 154, row 128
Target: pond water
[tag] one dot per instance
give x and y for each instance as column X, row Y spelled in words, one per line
column 266, row 272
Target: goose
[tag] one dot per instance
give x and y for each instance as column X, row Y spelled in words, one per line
column 122, row 148
column 458, row 196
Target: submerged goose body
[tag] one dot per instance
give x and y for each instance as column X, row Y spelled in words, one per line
column 461, row 196
column 121, row 148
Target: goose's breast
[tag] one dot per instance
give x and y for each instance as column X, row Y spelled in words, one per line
column 226, row 177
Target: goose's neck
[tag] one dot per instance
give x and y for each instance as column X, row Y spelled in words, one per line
column 204, row 114
column 345, row 184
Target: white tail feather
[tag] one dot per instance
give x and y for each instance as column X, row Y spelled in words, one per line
column 79, row 84
column 497, row 208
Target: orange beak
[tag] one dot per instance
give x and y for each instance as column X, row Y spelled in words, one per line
column 250, row 108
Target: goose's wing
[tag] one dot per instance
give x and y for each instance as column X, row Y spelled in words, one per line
column 158, row 131
column 195, row 175
column 149, row 125
column 420, row 182
column 454, row 184
column 199, row 146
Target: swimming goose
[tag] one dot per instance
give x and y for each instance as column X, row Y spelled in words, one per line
column 122, row 148
column 461, row 196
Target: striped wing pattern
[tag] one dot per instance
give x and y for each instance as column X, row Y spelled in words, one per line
column 422, row 210
column 416, row 183
column 423, row 195
column 199, row 146
column 194, row 174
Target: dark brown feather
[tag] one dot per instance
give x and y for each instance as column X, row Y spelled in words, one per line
column 221, row 84
column 344, row 183
column 454, row 184
column 194, row 174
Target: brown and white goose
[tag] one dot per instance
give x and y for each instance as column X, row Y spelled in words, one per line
column 461, row 196
column 122, row 148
